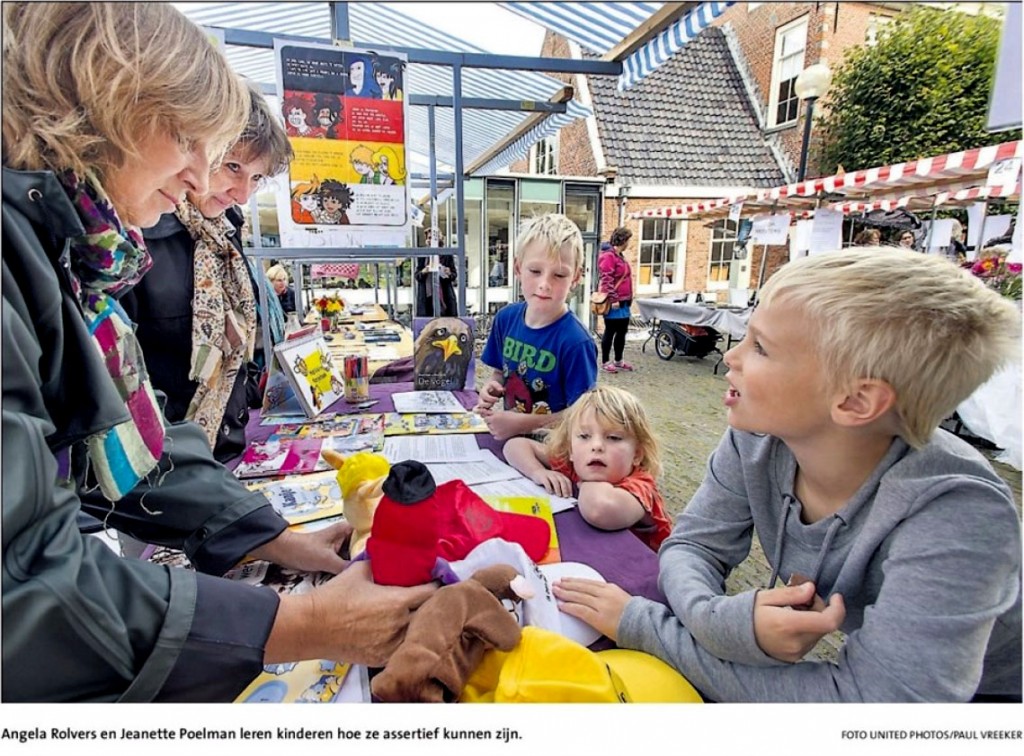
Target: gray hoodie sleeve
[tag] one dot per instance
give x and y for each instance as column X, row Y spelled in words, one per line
column 950, row 571
column 710, row 538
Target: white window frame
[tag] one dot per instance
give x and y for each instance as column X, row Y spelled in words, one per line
column 544, row 157
column 791, row 59
column 724, row 235
column 674, row 240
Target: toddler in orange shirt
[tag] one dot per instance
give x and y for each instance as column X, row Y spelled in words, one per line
column 604, row 446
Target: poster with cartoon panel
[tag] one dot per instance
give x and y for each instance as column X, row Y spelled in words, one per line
column 345, row 113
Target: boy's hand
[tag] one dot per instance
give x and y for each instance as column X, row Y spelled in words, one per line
column 490, row 394
column 501, row 423
column 553, row 482
column 598, row 604
column 786, row 633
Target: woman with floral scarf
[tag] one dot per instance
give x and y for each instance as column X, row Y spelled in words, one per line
column 112, row 112
column 197, row 310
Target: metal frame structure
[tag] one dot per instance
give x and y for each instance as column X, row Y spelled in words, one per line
column 457, row 61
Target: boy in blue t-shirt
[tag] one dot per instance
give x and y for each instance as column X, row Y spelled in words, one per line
column 542, row 355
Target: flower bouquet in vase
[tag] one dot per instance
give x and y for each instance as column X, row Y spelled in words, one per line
column 998, row 274
column 331, row 308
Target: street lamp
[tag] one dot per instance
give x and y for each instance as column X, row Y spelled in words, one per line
column 810, row 85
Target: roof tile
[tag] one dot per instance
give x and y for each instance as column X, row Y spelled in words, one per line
column 687, row 122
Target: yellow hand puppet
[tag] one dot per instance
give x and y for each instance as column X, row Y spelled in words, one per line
column 360, row 477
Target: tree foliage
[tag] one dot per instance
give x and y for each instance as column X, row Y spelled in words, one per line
column 923, row 90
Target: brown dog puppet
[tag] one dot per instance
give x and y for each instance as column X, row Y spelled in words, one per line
column 448, row 636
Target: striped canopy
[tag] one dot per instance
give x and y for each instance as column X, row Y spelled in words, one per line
column 958, row 177
column 600, row 27
column 374, row 23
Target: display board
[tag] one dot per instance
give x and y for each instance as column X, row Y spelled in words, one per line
column 345, row 112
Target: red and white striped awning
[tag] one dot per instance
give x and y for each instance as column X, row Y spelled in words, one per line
column 931, row 199
column 921, row 183
column 956, row 166
column 680, row 211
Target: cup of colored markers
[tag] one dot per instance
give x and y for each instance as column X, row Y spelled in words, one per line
column 357, row 378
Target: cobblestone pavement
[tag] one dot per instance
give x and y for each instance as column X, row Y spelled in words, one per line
column 684, row 401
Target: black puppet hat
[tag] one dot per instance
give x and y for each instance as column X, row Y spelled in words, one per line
column 409, row 483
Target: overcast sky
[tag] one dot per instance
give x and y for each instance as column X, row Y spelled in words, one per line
column 486, row 25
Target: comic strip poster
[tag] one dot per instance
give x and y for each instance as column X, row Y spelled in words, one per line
column 345, row 112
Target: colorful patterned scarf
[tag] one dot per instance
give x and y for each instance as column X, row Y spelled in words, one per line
column 223, row 317
column 107, row 258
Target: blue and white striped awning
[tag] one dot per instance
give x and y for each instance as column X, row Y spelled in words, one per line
column 376, row 23
column 545, row 128
column 597, row 26
column 668, row 42
column 601, row 26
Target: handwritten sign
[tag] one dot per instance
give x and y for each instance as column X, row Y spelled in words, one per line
column 770, row 229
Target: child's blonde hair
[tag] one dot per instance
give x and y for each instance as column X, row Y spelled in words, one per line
column 555, row 232
column 924, row 326
column 612, row 406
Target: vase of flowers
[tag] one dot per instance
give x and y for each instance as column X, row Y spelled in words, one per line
column 330, row 308
column 998, row 274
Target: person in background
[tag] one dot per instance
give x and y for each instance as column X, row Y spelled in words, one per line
column 542, row 357
column 448, row 276
column 285, row 291
column 605, row 447
column 868, row 237
column 617, row 282
column 82, row 428
column 497, row 275
column 957, row 248
column 879, row 523
column 906, row 240
column 197, row 310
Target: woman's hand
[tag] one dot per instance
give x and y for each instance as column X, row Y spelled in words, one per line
column 598, row 604
column 318, row 551
column 349, row 618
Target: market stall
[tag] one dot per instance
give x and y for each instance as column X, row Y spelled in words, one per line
column 973, row 178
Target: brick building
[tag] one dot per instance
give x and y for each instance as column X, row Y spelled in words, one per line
column 719, row 118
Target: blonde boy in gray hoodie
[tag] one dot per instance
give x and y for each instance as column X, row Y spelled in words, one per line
column 880, row 524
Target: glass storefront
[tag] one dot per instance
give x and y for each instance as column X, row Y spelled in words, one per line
column 495, row 208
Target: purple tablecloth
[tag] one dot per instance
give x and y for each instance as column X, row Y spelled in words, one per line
column 619, row 556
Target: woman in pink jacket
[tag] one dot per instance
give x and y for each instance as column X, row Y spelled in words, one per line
column 617, row 282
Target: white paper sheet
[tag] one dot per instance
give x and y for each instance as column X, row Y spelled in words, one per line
column 427, row 401
column 826, row 231
column 382, row 354
column 523, row 486
column 974, row 215
column 800, row 239
column 770, row 229
column 996, row 226
column 454, row 447
column 941, row 233
column 487, row 469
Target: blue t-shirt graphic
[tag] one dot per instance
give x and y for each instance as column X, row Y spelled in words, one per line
column 546, row 369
